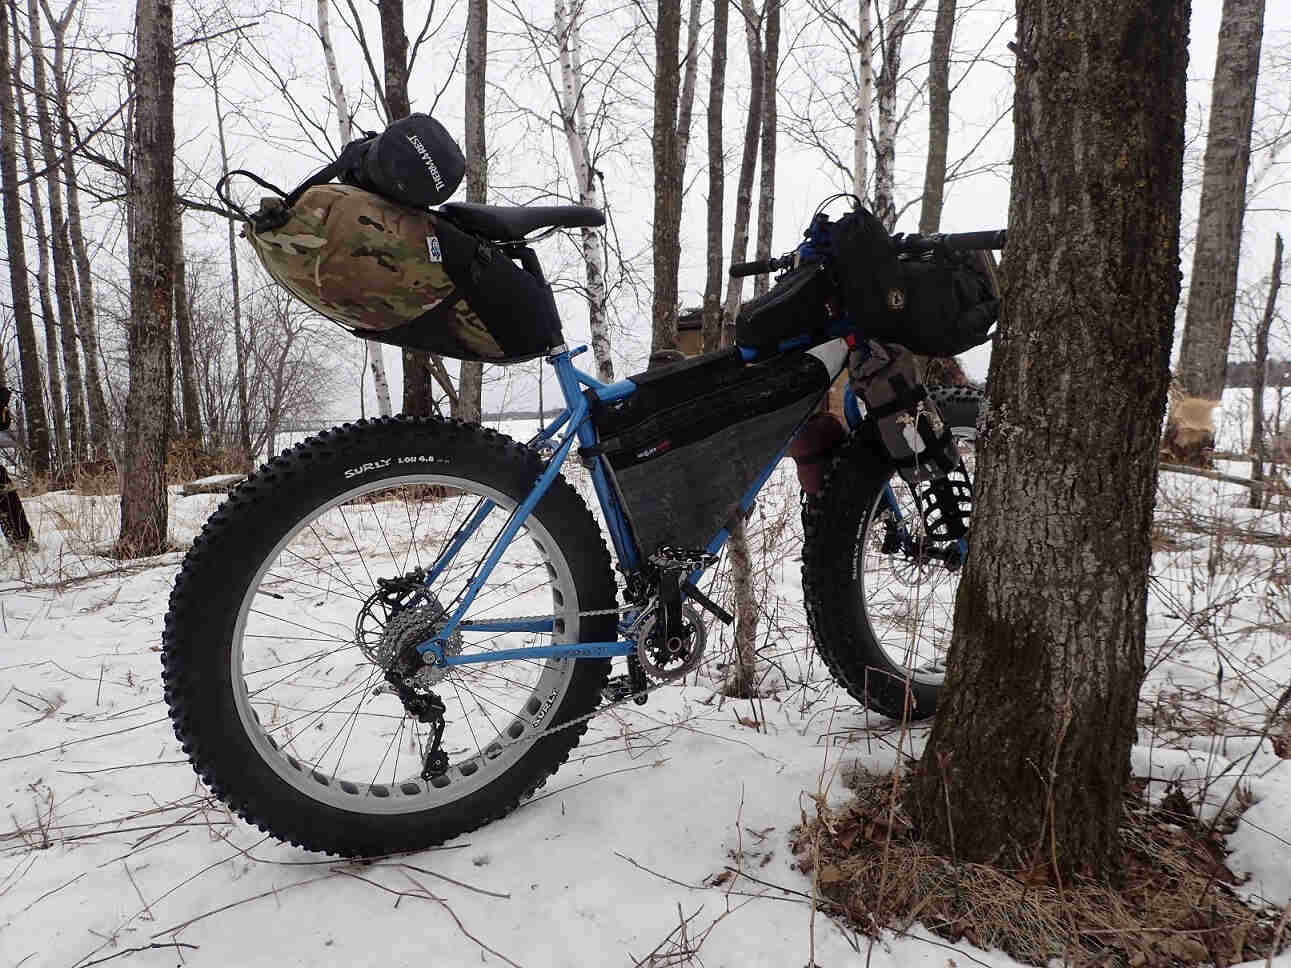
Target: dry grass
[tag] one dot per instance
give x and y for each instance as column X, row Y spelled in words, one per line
column 1173, row 905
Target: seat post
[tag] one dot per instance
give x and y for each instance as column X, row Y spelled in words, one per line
column 529, row 261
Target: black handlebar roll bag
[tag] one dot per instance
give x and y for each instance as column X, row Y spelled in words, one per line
column 936, row 303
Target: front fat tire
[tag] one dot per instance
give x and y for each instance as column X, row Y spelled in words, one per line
column 836, row 525
column 214, row 580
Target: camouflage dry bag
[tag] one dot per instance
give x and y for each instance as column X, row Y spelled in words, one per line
column 403, row 275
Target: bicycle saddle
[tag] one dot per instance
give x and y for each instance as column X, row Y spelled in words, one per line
column 505, row 223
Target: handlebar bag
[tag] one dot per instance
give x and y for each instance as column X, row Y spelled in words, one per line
column 938, row 303
column 948, row 304
column 797, row 305
column 403, row 276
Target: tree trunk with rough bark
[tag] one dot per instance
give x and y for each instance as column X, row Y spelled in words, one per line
column 941, row 370
column 889, row 74
column 470, row 388
column 686, row 102
column 766, row 190
column 1028, row 760
column 100, row 423
column 152, row 198
column 712, row 332
column 33, row 405
column 62, row 250
column 667, row 180
column 1261, row 371
column 418, row 393
column 748, row 162
column 934, row 172
column 49, row 320
column 573, row 115
column 184, row 337
column 1208, row 326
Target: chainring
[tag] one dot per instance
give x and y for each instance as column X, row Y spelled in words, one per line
column 665, row 659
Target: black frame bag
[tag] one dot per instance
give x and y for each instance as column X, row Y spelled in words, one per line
column 687, row 446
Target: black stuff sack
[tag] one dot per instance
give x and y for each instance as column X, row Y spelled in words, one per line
column 414, row 161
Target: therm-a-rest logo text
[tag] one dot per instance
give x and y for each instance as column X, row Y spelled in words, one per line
column 430, row 162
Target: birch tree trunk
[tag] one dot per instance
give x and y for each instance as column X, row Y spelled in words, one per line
column 748, row 161
column 1203, row 357
column 344, row 122
column 184, row 335
column 345, row 126
column 100, row 424
column 934, row 173
column 152, row 198
column 712, row 332
column 1261, row 371
column 33, row 405
column 864, row 100
column 574, row 121
column 63, row 280
column 766, row 190
column 1028, row 760
column 49, row 321
column 889, row 74
column 470, row 388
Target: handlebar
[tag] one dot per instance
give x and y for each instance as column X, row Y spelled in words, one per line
column 954, row 240
column 759, row 266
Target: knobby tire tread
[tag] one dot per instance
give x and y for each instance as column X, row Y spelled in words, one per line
column 831, row 523
column 195, row 651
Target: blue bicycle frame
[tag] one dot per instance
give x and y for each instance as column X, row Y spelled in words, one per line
column 576, row 423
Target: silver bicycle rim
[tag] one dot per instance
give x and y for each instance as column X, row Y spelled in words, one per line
column 535, row 688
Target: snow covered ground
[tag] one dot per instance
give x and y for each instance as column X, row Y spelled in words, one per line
column 110, row 844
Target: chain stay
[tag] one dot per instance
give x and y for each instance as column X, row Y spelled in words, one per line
column 586, row 717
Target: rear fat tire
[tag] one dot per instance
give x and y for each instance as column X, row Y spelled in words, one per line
column 837, row 525
column 214, row 580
